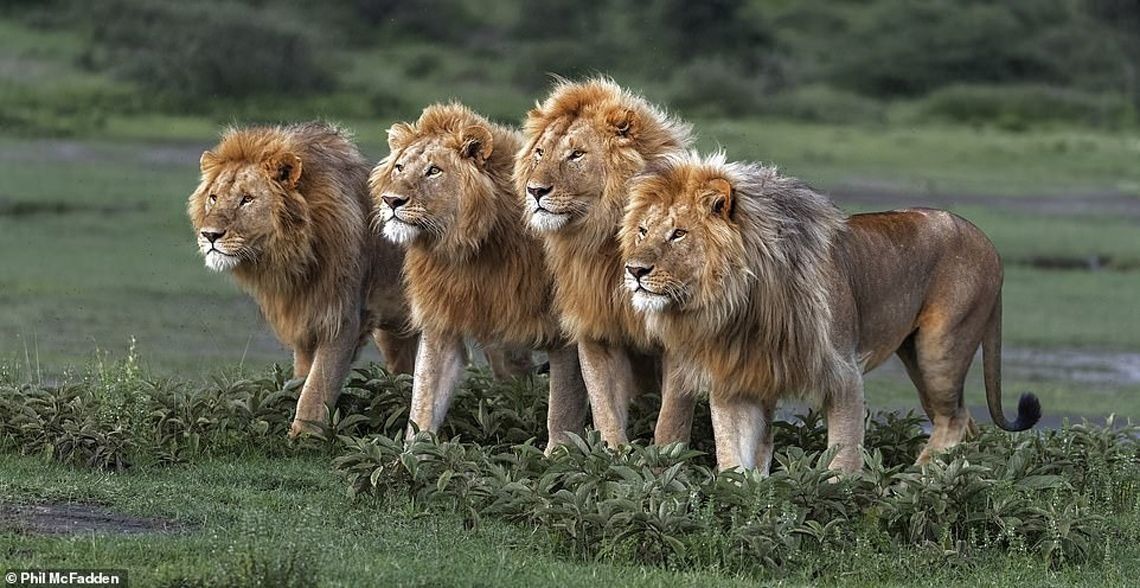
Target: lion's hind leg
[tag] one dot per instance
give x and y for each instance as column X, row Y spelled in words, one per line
column 399, row 350
column 508, row 361
column 937, row 358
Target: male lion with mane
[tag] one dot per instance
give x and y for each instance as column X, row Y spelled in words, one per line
column 472, row 269
column 285, row 210
column 583, row 144
column 770, row 292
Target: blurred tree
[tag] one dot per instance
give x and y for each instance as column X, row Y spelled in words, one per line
column 190, row 52
column 1123, row 16
column 714, row 28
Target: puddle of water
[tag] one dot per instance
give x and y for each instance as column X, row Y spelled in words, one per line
column 1114, row 368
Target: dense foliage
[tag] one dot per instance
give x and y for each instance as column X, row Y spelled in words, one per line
column 987, row 61
column 1064, row 495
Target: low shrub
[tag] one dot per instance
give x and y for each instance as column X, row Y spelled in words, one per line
column 1018, row 107
column 194, row 52
column 1061, row 495
column 823, row 104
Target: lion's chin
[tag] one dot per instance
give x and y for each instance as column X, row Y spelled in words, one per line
column 221, row 262
column 546, row 221
column 648, row 302
column 400, row 232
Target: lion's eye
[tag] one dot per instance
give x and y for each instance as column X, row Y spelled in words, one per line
column 433, row 171
column 538, row 152
column 398, row 167
column 576, row 154
column 678, row 234
column 642, row 231
column 246, row 199
column 213, row 198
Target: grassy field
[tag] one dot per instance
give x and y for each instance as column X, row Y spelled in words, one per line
column 211, row 494
column 98, row 253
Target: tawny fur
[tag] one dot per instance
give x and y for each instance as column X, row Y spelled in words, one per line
column 771, row 293
column 472, row 270
column 759, row 323
column 293, row 207
column 482, row 275
column 585, row 257
column 584, row 142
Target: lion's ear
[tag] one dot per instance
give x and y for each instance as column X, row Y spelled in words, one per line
column 399, row 136
column 476, row 143
column 623, row 122
column 723, row 198
column 284, row 168
column 208, row 160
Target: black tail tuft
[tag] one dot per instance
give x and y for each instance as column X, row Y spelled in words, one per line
column 1028, row 412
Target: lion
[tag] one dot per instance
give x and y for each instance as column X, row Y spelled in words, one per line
column 472, row 268
column 285, row 210
column 771, row 293
column 582, row 146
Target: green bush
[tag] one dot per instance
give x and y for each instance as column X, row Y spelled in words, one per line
column 191, row 52
column 824, row 104
column 1062, row 496
column 1021, row 106
column 714, row 87
column 666, row 506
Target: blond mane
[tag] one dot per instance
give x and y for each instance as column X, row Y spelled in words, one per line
column 484, row 275
column 586, row 261
column 765, row 332
column 311, row 272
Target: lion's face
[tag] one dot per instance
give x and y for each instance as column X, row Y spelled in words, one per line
column 432, row 186
column 681, row 248
column 564, row 174
column 237, row 207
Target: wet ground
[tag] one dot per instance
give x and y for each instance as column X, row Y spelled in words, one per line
column 75, row 518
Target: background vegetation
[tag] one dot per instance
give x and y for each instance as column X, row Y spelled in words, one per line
column 850, row 61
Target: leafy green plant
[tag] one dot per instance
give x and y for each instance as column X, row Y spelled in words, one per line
column 1057, row 495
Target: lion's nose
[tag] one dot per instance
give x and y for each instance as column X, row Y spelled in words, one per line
column 394, row 202
column 537, row 192
column 638, row 271
column 212, row 236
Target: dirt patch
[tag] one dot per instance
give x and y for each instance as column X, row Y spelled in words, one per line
column 74, row 519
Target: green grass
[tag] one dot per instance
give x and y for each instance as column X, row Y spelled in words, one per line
column 269, row 509
column 937, row 159
column 109, row 257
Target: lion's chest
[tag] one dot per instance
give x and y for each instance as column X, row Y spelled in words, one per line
column 592, row 304
column 489, row 300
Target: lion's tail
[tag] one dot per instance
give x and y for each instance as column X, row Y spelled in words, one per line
column 1028, row 408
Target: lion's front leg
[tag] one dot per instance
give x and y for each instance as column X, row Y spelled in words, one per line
column 330, row 364
column 609, row 382
column 845, row 413
column 439, row 366
column 302, row 362
column 742, row 428
column 569, row 401
column 675, row 421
